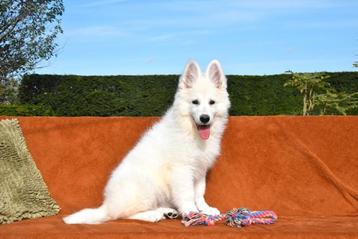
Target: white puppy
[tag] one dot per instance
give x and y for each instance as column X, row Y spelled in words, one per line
column 166, row 170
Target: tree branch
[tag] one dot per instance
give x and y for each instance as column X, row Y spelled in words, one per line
column 8, row 29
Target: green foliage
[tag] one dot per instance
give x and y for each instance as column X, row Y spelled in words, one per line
column 25, row 110
column 8, row 91
column 320, row 96
column 100, row 95
column 151, row 95
column 341, row 102
column 262, row 95
column 28, row 30
column 309, row 85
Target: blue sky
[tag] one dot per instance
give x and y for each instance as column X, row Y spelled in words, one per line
column 110, row 37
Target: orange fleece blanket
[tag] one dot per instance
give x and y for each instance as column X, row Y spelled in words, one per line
column 303, row 168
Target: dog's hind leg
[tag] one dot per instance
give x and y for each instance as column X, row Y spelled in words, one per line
column 155, row 215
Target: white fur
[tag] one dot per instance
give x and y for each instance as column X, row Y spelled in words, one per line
column 168, row 166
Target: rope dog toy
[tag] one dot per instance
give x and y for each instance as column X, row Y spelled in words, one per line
column 237, row 217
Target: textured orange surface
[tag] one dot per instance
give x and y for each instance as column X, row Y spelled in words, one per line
column 303, row 168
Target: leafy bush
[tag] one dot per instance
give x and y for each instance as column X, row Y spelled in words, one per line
column 320, row 96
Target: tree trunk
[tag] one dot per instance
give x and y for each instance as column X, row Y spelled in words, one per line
column 305, row 100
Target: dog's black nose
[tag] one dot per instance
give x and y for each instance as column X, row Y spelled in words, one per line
column 204, row 119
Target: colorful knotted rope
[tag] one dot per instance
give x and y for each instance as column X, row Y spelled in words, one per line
column 238, row 217
column 197, row 218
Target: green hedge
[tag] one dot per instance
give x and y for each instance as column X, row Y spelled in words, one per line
column 25, row 110
column 99, row 95
column 151, row 95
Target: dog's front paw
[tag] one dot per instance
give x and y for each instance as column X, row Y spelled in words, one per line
column 170, row 213
column 210, row 211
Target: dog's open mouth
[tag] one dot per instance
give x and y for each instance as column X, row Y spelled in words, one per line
column 204, row 131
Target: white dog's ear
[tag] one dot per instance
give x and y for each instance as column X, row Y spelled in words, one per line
column 190, row 75
column 216, row 74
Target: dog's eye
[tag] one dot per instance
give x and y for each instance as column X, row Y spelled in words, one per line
column 211, row 102
column 195, row 102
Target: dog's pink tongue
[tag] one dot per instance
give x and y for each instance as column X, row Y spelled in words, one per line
column 204, row 132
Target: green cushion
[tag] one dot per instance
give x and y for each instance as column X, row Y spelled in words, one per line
column 23, row 193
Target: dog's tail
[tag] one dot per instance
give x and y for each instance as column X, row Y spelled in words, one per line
column 88, row 216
